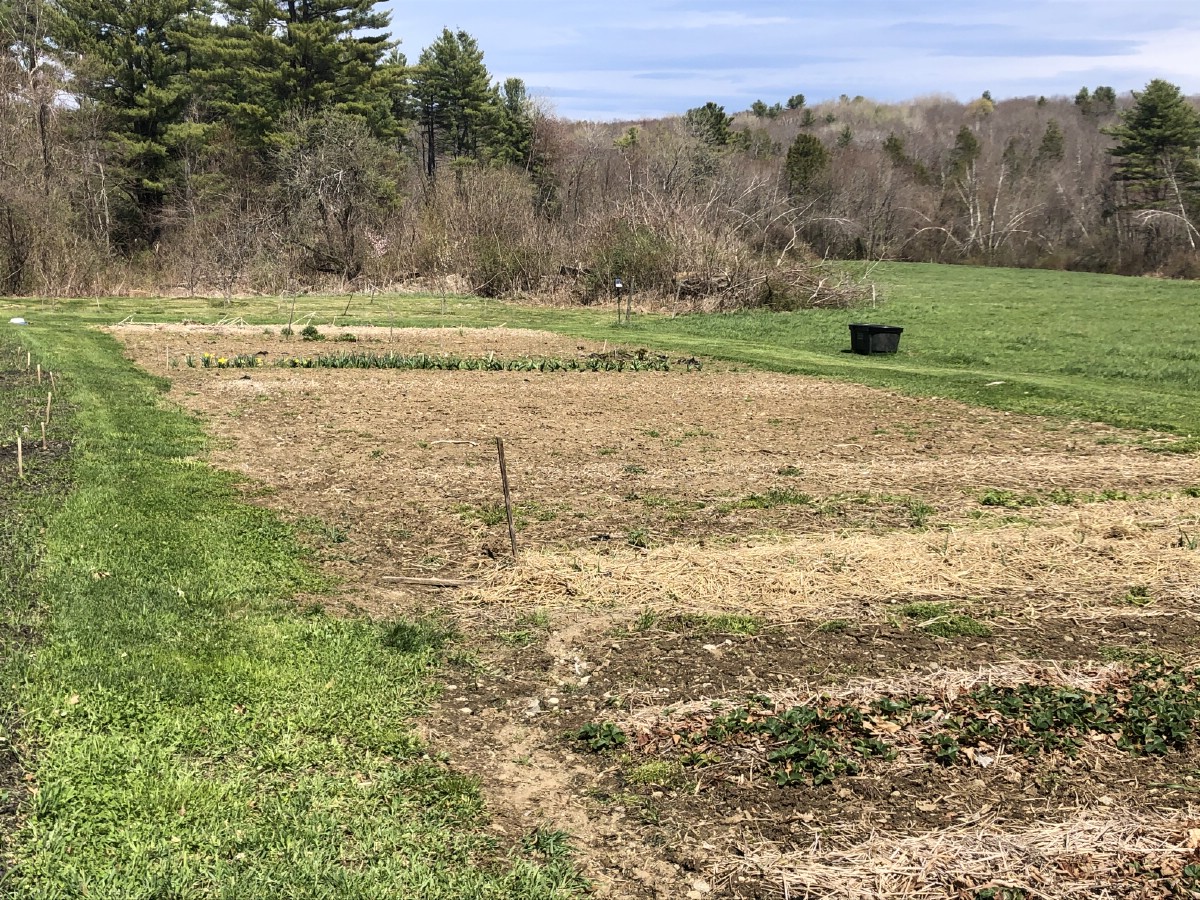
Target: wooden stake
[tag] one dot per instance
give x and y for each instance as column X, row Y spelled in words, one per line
column 46, row 418
column 28, row 356
column 44, row 447
column 39, row 371
column 20, row 459
column 512, row 532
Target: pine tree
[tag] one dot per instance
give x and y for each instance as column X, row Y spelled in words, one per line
column 275, row 58
column 1050, row 150
column 512, row 142
column 132, row 61
column 709, row 124
column 1156, row 153
column 966, row 151
column 807, row 160
column 458, row 108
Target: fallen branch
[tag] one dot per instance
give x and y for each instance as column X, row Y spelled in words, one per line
column 428, row 582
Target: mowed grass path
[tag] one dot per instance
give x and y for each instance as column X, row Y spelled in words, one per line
column 189, row 732
column 1125, row 351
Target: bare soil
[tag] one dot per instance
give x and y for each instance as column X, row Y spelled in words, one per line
column 654, row 510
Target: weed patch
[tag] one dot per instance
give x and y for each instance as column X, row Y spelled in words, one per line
column 1153, row 708
column 942, row 620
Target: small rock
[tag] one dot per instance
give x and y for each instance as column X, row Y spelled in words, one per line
column 466, row 710
column 553, row 701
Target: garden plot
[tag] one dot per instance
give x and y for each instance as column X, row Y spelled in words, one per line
column 697, row 537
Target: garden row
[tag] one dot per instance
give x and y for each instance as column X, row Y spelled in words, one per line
column 427, row 361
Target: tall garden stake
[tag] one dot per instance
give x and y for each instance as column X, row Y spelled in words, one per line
column 512, row 532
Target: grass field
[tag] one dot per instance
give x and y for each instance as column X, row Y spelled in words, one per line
column 766, row 635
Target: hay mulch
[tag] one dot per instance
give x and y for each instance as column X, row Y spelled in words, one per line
column 1081, row 570
column 1093, row 854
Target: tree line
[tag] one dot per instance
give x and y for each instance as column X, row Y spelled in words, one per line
column 225, row 146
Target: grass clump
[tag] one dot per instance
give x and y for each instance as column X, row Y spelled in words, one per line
column 772, row 498
column 942, row 620
column 407, row 636
column 720, row 623
column 660, row 772
column 1008, row 499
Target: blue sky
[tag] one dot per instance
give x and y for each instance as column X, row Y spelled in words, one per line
column 642, row 58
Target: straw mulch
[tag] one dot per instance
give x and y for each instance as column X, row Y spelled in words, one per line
column 1064, row 569
column 1090, row 855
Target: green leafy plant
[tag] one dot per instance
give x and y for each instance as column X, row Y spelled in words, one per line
column 637, row 537
column 602, row 736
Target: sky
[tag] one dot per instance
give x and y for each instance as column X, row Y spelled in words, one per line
column 634, row 59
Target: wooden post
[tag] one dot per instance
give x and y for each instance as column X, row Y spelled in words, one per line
column 512, row 532
column 20, row 459
column 46, row 418
column 39, row 371
column 44, row 447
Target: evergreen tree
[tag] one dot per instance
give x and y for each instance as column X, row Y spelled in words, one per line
column 1104, row 100
column 458, row 108
column 1156, row 150
column 893, row 146
column 1050, row 150
column 275, row 58
column 132, row 61
column 966, row 151
column 709, row 124
column 759, row 109
column 807, row 160
column 796, row 101
column 512, row 142
column 1083, row 100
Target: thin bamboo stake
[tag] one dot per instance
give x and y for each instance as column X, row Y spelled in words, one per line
column 39, row 373
column 512, row 532
column 20, row 459
column 46, row 417
column 44, row 447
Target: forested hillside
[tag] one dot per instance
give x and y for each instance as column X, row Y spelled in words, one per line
column 226, row 146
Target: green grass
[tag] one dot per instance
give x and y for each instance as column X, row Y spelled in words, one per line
column 189, row 731
column 1098, row 347
column 943, row 620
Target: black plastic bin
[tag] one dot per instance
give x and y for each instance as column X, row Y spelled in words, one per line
column 868, row 339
